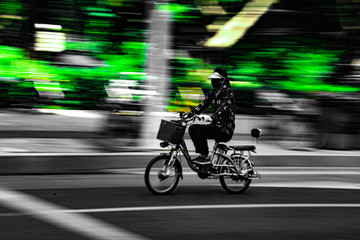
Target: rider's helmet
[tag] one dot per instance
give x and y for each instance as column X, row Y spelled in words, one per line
column 218, row 77
column 219, row 73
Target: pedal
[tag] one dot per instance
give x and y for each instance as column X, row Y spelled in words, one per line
column 254, row 175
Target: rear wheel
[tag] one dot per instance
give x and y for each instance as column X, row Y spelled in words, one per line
column 234, row 183
column 159, row 178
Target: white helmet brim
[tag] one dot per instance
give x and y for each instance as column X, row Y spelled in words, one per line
column 215, row 75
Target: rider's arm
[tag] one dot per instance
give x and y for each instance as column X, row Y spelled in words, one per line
column 202, row 106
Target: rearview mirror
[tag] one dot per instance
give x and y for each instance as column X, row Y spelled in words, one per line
column 255, row 133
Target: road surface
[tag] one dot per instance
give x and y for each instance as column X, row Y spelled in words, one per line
column 286, row 203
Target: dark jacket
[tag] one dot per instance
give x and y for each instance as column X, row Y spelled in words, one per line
column 223, row 107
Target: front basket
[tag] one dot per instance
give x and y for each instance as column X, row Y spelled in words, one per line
column 170, row 131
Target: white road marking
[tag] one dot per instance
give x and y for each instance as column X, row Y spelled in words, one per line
column 69, row 220
column 220, row 206
column 335, row 172
column 279, row 171
column 53, row 154
column 199, row 207
column 309, row 184
column 155, row 152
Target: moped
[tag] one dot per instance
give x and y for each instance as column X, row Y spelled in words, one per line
column 231, row 164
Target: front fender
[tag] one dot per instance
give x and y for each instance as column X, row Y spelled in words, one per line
column 177, row 164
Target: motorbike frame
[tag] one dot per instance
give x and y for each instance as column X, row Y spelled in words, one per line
column 209, row 172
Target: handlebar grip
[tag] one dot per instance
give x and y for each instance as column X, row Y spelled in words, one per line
column 181, row 114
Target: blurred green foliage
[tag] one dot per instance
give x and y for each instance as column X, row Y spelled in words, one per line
column 297, row 63
column 79, row 83
column 121, row 49
column 293, row 64
column 180, row 12
column 10, row 7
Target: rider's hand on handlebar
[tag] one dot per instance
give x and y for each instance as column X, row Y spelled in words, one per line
column 205, row 118
column 191, row 116
column 188, row 115
column 180, row 114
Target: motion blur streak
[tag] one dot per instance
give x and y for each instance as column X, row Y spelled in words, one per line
column 237, row 26
column 48, row 212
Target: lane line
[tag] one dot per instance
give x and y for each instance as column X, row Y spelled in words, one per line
column 220, row 206
column 310, row 172
column 309, row 184
column 69, row 220
column 86, row 154
column 152, row 153
column 278, row 173
column 269, row 169
column 202, row 207
column 260, row 168
column 264, row 171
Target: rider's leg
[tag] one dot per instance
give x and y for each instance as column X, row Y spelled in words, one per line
column 201, row 133
column 198, row 136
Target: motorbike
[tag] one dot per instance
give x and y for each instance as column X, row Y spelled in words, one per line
column 231, row 164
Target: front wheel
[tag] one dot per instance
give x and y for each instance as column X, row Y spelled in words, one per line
column 160, row 178
column 233, row 183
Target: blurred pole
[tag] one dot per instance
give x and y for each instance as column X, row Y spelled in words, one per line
column 157, row 69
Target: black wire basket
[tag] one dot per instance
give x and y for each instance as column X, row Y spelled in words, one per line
column 171, row 131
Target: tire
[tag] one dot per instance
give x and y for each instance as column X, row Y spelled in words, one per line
column 154, row 181
column 235, row 184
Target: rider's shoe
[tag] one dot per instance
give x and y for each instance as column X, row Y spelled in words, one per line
column 202, row 159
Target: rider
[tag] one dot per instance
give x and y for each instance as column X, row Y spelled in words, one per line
column 222, row 101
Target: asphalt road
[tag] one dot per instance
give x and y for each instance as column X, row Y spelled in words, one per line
column 286, row 203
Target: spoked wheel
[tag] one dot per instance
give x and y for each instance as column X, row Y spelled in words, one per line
column 235, row 184
column 159, row 178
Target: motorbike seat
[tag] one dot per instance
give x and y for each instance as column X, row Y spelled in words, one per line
column 244, row 147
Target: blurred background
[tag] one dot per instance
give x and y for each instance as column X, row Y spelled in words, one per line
column 85, row 83
column 294, row 66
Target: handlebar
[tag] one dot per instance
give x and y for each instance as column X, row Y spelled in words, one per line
column 185, row 119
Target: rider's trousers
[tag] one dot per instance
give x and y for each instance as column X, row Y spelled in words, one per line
column 201, row 133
